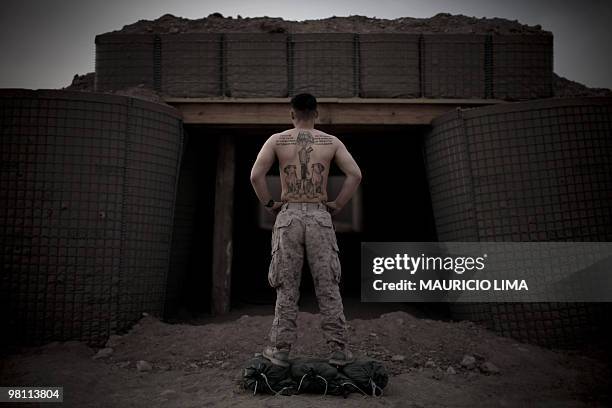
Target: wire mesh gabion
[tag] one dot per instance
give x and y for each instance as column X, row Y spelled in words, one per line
column 88, row 185
column 124, row 61
column 525, row 171
column 454, row 66
column 339, row 65
column 521, row 67
column 389, row 65
column 255, row 66
column 190, row 64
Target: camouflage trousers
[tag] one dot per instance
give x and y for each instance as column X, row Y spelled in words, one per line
column 305, row 230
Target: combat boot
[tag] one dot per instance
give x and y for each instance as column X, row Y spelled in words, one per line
column 278, row 357
column 341, row 357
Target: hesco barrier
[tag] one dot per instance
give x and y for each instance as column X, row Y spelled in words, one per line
column 525, row 171
column 368, row 65
column 88, row 186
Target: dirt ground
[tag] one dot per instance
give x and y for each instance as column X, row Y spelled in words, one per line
column 199, row 365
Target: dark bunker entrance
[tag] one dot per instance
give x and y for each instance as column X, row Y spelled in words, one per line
column 392, row 204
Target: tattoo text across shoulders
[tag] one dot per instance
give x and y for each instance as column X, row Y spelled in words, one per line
column 285, row 139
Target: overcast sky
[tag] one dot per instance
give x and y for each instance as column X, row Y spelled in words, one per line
column 44, row 43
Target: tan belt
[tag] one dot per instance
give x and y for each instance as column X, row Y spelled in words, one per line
column 304, row 206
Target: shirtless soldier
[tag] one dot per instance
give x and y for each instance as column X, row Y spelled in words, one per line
column 304, row 227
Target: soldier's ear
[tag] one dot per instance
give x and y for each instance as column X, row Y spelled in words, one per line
column 316, row 114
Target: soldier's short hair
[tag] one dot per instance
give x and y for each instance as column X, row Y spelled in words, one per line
column 304, row 105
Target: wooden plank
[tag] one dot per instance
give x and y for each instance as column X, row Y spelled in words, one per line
column 285, row 101
column 222, row 238
column 330, row 113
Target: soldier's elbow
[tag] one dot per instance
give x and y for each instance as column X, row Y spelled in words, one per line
column 255, row 177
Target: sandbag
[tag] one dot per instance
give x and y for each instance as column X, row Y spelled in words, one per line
column 342, row 385
column 369, row 375
column 313, row 375
column 260, row 375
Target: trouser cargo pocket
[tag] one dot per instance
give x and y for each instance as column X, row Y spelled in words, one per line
column 329, row 243
column 283, row 220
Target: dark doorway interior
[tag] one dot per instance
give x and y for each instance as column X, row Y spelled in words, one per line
column 395, row 197
column 396, row 207
column 189, row 277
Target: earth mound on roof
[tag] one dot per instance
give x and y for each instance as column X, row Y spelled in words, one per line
column 566, row 88
column 440, row 23
column 86, row 83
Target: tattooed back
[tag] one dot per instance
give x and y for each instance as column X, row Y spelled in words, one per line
column 304, row 157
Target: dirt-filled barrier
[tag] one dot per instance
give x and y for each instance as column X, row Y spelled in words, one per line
column 329, row 64
column 88, row 192
column 525, row 171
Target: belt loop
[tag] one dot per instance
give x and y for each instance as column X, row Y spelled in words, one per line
column 304, row 206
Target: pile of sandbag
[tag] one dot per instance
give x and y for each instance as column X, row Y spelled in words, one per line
column 313, row 375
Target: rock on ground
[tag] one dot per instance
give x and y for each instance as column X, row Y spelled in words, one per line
column 468, row 362
column 103, row 353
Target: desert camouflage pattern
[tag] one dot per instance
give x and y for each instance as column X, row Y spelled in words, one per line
column 305, row 229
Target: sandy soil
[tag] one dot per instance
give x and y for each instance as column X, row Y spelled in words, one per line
column 566, row 88
column 86, row 83
column 200, row 365
column 440, row 23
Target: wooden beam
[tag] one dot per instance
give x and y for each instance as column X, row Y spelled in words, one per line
column 332, row 111
column 409, row 101
column 222, row 238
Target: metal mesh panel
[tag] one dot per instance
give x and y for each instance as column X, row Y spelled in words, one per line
column 191, row 64
column 546, row 324
column 256, row 65
column 123, row 61
column 542, row 173
column 453, row 66
column 65, row 219
column 447, row 166
column 389, row 65
column 522, row 66
column 323, row 64
column 153, row 148
column 539, row 171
